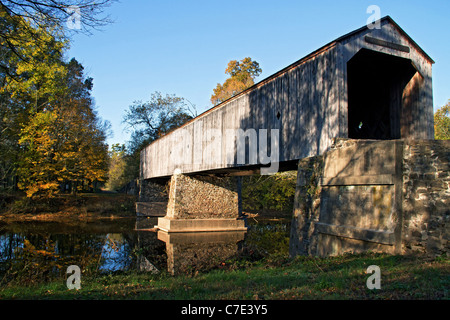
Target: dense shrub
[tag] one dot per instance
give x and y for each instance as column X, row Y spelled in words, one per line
column 275, row 192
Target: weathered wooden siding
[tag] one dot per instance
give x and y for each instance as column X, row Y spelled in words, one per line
column 311, row 99
column 305, row 97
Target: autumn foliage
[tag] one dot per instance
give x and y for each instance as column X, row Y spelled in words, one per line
column 442, row 123
column 51, row 134
column 241, row 76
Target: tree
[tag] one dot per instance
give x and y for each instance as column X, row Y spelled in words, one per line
column 242, row 75
column 50, row 131
column 116, row 171
column 81, row 133
column 64, row 143
column 27, row 87
column 37, row 167
column 20, row 18
column 57, row 13
column 442, row 123
column 151, row 120
column 37, row 78
column 274, row 192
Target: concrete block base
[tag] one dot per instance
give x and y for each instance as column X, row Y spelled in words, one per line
column 200, row 225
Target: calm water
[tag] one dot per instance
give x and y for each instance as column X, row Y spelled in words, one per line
column 45, row 250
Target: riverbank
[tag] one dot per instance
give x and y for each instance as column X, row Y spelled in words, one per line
column 306, row 278
column 263, row 271
column 63, row 208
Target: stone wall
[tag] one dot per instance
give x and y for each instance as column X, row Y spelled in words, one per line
column 153, row 192
column 306, row 206
column 426, row 197
column 131, row 188
column 202, row 197
column 202, row 204
column 388, row 196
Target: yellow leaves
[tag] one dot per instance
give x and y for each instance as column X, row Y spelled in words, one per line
column 27, row 245
column 36, row 260
column 58, row 132
column 36, row 62
column 57, row 152
column 48, row 186
column 242, row 75
column 36, row 169
column 442, row 123
column 31, row 190
column 35, row 188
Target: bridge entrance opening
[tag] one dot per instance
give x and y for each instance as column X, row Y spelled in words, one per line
column 376, row 82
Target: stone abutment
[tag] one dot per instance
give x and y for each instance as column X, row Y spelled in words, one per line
column 383, row 196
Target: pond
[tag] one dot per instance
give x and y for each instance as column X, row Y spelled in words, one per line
column 41, row 251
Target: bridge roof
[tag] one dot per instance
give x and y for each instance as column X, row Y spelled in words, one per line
column 311, row 97
column 312, row 55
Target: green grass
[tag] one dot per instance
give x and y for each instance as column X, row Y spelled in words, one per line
column 402, row 277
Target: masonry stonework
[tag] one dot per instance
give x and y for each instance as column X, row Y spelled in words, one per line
column 152, row 192
column 152, row 198
column 202, row 197
column 202, row 204
column 386, row 196
column 426, row 197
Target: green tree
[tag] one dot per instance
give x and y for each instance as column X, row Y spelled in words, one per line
column 116, row 171
column 442, row 123
column 151, row 120
column 82, row 133
column 242, row 75
column 19, row 20
column 49, row 119
column 274, row 192
column 50, row 131
column 64, row 143
column 27, row 86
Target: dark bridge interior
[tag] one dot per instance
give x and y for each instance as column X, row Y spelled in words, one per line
column 376, row 82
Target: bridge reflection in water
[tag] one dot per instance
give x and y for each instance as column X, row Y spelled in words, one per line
column 128, row 244
column 192, row 252
column 187, row 252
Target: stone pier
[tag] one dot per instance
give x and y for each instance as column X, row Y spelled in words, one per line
column 384, row 196
column 202, row 204
column 153, row 198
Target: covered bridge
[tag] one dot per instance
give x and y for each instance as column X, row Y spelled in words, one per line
column 354, row 118
column 367, row 84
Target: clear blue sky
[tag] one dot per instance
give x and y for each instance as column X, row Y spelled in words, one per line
column 182, row 47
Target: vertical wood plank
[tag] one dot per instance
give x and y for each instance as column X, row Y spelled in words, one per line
column 312, row 100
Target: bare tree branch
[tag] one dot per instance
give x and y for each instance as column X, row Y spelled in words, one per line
column 57, row 12
column 22, row 21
